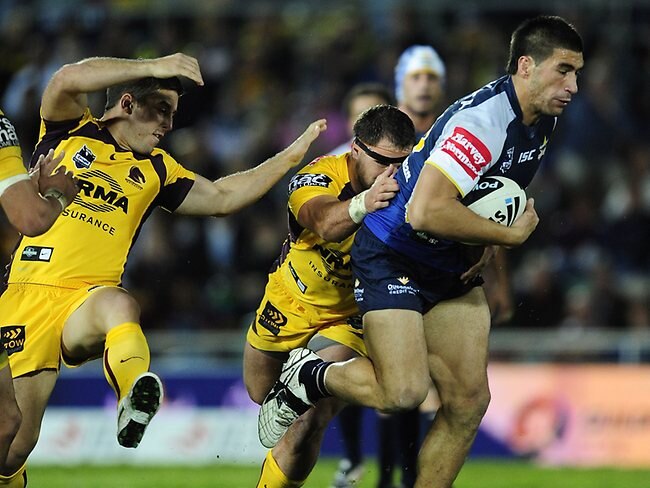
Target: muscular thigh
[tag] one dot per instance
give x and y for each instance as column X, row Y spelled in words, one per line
column 396, row 347
column 85, row 330
column 456, row 333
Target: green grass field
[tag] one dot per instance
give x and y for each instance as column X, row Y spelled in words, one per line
column 474, row 475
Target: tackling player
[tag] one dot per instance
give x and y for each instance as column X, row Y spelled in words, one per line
column 421, row 322
column 309, row 296
column 64, row 298
column 31, row 205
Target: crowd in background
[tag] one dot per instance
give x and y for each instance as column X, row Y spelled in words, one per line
column 271, row 69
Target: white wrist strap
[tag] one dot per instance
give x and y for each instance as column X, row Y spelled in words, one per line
column 60, row 197
column 357, row 208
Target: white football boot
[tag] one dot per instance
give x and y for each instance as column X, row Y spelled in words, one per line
column 136, row 409
column 287, row 400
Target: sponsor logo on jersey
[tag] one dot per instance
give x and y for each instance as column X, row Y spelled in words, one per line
column 37, row 253
column 468, row 151
column 403, row 280
column 272, row 319
column 13, row 338
column 136, row 177
column 336, row 263
column 308, row 179
column 8, row 136
column 106, row 192
column 83, row 158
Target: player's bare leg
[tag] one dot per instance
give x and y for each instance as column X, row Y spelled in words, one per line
column 457, row 337
column 11, row 417
column 395, row 376
column 108, row 323
column 32, row 394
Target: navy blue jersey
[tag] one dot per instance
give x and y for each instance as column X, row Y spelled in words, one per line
column 479, row 135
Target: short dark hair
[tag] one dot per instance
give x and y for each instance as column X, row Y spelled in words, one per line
column 385, row 121
column 539, row 36
column 363, row 89
column 141, row 88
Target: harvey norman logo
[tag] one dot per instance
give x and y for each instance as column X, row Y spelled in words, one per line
column 467, row 150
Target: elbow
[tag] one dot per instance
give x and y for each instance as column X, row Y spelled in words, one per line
column 417, row 217
column 332, row 234
column 65, row 77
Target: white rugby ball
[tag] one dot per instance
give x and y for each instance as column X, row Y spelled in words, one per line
column 497, row 198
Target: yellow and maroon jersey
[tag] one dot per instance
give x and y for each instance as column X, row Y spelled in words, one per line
column 315, row 271
column 90, row 241
column 12, row 169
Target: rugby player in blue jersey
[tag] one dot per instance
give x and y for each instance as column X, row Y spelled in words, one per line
column 424, row 317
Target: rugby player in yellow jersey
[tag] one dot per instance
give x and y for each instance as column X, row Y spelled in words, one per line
column 31, row 213
column 64, row 299
column 309, row 296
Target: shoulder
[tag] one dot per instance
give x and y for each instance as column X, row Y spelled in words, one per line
column 324, row 172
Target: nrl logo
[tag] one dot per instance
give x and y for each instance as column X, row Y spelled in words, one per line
column 83, row 158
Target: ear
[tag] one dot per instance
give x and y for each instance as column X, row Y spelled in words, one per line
column 126, row 102
column 524, row 66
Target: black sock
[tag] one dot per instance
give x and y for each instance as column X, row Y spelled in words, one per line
column 387, row 446
column 350, row 423
column 409, row 441
column 312, row 375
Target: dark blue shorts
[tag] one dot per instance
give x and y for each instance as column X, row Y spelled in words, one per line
column 386, row 279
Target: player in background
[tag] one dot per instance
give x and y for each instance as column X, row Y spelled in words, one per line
column 422, row 320
column 31, row 205
column 360, row 98
column 309, row 295
column 64, row 286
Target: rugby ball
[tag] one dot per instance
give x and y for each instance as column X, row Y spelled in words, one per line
column 497, row 198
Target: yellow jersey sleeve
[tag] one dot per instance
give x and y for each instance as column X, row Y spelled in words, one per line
column 12, row 169
column 323, row 176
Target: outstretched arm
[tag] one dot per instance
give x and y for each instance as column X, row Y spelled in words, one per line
column 232, row 193
column 65, row 96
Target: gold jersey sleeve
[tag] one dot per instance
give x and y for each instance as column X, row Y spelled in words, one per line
column 12, row 169
column 90, row 241
column 315, row 271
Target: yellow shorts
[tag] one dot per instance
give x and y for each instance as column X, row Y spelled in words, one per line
column 282, row 323
column 31, row 321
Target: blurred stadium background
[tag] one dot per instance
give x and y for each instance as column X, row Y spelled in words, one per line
column 570, row 385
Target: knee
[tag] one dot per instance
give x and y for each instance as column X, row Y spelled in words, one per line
column 11, row 419
column 468, row 407
column 404, row 397
column 124, row 302
column 21, row 448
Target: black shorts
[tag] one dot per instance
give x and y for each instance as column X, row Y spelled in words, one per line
column 385, row 279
